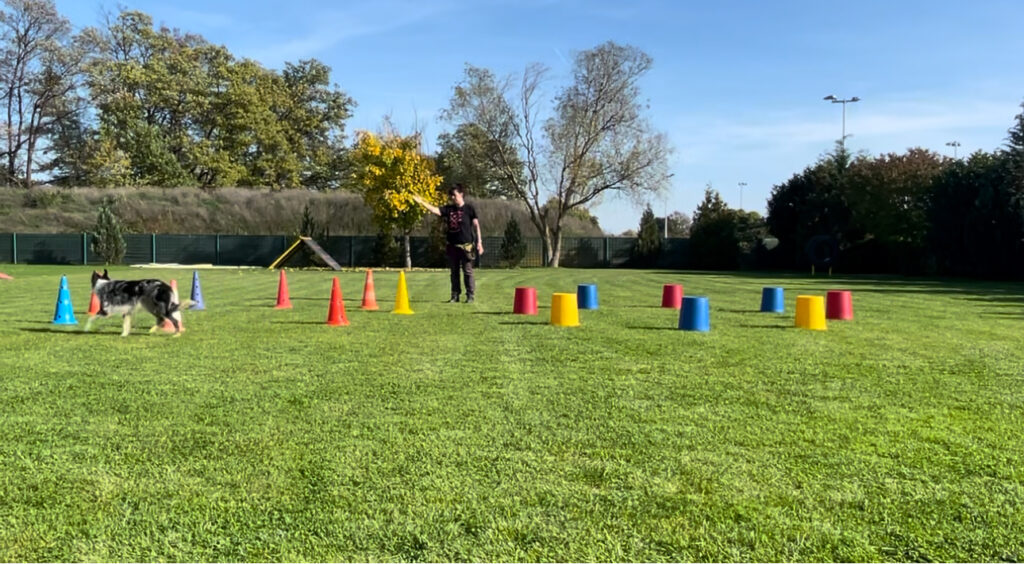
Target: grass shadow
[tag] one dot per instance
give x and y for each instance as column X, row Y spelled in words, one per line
column 735, row 310
column 66, row 331
column 298, row 323
column 1004, row 314
column 524, row 322
column 764, row 326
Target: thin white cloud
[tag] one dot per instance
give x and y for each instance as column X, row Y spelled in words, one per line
column 359, row 21
column 923, row 124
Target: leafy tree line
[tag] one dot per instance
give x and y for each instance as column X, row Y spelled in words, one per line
column 915, row 212
column 912, row 213
column 158, row 107
column 126, row 104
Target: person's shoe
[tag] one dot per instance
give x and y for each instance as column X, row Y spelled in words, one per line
column 469, row 298
column 454, row 300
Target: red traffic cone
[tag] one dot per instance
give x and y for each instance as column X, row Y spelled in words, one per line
column 167, row 325
column 369, row 296
column 94, row 304
column 336, row 312
column 283, row 302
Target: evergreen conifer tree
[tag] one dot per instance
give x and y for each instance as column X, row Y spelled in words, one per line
column 108, row 237
column 513, row 247
column 648, row 243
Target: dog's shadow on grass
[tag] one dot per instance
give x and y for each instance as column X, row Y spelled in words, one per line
column 59, row 331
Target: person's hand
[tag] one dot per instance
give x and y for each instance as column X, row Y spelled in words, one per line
column 479, row 248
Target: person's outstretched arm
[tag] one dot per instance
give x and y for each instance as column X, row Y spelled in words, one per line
column 430, row 207
column 479, row 237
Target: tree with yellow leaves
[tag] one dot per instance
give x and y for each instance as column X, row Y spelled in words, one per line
column 390, row 169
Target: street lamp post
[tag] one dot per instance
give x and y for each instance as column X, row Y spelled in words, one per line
column 954, row 145
column 843, row 101
column 742, row 184
column 666, row 206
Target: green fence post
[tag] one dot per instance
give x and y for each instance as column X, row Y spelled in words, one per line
column 85, row 248
column 14, row 247
column 152, row 244
column 216, row 251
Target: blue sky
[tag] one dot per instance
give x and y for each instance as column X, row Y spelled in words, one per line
column 736, row 85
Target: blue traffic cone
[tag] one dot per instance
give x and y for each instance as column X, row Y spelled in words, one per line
column 64, row 314
column 197, row 293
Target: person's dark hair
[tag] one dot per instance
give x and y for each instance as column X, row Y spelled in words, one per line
column 456, row 188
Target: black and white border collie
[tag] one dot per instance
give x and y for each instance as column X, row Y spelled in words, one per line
column 125, row 297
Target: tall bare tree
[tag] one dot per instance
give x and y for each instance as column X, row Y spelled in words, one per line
column 40, row 64
column 595, row 141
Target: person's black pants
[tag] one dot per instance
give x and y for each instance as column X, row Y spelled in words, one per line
column 460, row 259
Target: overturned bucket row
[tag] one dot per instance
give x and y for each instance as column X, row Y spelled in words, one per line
column 694, row 314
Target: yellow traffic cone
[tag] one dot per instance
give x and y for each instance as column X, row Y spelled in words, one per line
column 402, row 298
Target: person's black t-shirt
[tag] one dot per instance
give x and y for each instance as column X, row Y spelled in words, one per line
column 459, row 223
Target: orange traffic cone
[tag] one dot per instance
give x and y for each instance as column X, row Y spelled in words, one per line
column 167, row 325
column 283, row 302
column 336, row 312
column 369, row 296
column 94, row 304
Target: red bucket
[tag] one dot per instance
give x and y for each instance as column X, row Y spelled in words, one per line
column 839, row 305
column 672, row 296
column 525, row 301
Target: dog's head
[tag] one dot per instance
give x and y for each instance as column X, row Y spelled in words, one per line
column 97, row 277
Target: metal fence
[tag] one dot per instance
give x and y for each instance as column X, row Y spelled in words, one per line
column 350, row 251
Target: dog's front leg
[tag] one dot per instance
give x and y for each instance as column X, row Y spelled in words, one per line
column 127, row 325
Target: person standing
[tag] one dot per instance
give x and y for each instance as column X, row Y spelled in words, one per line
column 464, row 240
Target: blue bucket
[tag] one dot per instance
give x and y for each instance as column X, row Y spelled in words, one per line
column 772, row 300
column 586, row 296
column 694, row 315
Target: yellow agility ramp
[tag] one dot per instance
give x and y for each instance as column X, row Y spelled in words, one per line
column 309, row 242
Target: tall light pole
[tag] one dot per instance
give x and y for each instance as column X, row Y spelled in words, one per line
column 666, row 206
column 843, row 101
column 742, row 184
column 954, row 145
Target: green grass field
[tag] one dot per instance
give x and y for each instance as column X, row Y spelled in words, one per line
column 464, row 432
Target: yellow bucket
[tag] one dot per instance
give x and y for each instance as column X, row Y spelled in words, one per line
column 810, row 312
column 564, row 310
